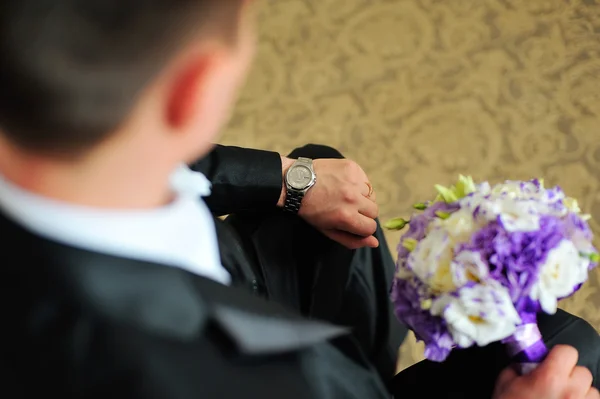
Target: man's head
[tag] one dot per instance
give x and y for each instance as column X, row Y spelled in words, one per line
column 77, row 74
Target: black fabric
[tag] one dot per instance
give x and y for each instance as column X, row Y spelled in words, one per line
column 242, row 179
column 321, row 279
column 80, row 324
column 307, row 272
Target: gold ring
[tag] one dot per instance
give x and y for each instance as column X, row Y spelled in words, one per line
column 370, row 189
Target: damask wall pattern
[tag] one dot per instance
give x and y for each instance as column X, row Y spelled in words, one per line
column 417, row 91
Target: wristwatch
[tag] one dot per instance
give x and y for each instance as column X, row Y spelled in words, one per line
column 299, row 178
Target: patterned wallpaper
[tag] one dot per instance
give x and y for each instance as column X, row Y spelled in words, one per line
column 418, row 91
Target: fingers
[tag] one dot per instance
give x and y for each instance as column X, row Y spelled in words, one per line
column 352, row 241
column 508, row 376
column 355, row 223
column 343, row 201
column 361, row 223
column 368, row 208
column 592, row 394
column 373, row 196
column 367, row 191
column 581, row 381
column 582, row 376
column 505, row 378
column 557, row 376
column 560, row 362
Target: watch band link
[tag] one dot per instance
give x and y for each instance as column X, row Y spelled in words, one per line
column 293, row 201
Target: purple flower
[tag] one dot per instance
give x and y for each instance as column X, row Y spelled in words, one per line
column 580, row 233
column 417, row 228
column 515, row 258
column 576, row 227
column 432, row 330
column 537, row 184
column 431, row 211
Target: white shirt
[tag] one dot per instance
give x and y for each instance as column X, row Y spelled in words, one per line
column 181, row 234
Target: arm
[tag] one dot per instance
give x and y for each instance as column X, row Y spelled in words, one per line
column 247, row 180
column 243, row 179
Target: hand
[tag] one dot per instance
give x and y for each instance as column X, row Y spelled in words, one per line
column 558, row 377
column 341, row 204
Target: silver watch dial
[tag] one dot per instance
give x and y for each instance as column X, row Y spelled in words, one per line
column 299, row 177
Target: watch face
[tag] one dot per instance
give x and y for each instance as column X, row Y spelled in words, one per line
column 299, row 177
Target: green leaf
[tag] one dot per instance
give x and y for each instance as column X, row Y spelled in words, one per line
column 447, row 194
column 396, row 224
column 593, row 257
column 465, row 186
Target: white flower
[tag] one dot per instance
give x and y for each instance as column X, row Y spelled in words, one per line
column 563, row 270
column 536, row 193
column 516, row 215
column 483, row 188
column 479, row 314
column 519, row 205
column 518, row 190
column 469, row 267
column 460, row 226
column 430, row 260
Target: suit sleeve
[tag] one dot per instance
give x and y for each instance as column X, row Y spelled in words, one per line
column 243, row 179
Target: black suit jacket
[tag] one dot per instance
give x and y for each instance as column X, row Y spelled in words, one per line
column 242, row 179
column 81, row 324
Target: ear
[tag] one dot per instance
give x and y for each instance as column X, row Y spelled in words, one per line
column 185, row 90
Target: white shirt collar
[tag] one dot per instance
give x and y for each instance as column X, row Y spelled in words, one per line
column 186, row 181
column 181, row 234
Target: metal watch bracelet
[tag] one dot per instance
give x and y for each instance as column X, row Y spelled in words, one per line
column 293, row 201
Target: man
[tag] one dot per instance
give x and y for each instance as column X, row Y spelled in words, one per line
column 113, row 281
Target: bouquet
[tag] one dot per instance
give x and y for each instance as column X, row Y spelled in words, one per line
column 479, row 263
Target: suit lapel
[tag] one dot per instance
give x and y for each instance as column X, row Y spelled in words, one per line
column 234, row 259
column 155, row 297
column 161, row 299
column 259, row 327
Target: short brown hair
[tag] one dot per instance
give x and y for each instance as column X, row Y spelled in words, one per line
column 71, row 70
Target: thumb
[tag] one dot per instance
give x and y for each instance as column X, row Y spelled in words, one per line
column 507, row 376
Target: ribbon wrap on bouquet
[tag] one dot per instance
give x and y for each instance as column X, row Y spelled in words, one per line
column 526, row 346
